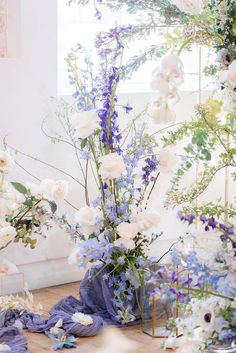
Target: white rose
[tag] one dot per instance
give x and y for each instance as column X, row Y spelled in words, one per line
column 14, row 199
column 112, row 166
column 167, row 160
column 161, row 113
column 45, row 188
column 127, row 243
column 52, row 190
column 85, row 123
column 82, row 319
column 3, row 208
column 6, row 161
column 35, row 190
column 147, row 219
column 171, row 343
column 7, row 235
column 192, row 7
column 127, row 230
column 60, row 190
column 87, row 218
column 229, row 75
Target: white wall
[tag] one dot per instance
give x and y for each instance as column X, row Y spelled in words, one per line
column 27, row 82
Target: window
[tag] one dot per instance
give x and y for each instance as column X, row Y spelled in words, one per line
column 77, row 24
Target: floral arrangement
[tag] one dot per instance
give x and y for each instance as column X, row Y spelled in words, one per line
column 210, row 145
column 116, row 228
column 23, row 210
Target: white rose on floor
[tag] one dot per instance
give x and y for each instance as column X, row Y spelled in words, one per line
column 127, row 243
column 161, row 113
column 6, row 161
column 229, row 75
column 7, row 235
column 4, row 348
column 53, row 190
column 86, row 218
column 85, row 123
column 82, row 319
column 167, row 160
column 57, row 328
column 112, row 166
column 147, row 219
column 127, row 230
column 192, row 7
column 171, row 343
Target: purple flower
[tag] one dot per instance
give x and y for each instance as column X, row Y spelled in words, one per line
column 121, row 260
column 127, row 108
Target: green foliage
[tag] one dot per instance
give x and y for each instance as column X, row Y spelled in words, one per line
column 20, row 188
column 53, row 206
column 211, row 209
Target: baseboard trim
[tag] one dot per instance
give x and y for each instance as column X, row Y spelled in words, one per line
column 50, row 272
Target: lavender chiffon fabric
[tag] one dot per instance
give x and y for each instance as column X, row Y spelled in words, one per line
column 96, row 300
column 15, row 339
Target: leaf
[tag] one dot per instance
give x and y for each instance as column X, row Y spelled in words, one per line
column 20, row 188
column 28, row 203
column 53, row 206
column 83, row 143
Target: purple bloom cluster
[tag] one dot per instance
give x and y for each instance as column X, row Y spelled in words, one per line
column 110, row 43
column 186, row 218
column 149, row 168
column 107, row 114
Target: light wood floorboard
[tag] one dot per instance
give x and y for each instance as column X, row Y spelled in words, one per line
column 39, row 343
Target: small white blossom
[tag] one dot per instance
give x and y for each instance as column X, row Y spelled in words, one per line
column 167, row 160
column 6, row 161
column 112, row 166
column 127, row 243
column 161, row 113
column 229, row 75
column 127, row 230
column 50, row 189
column 192, row 7
column 85, row 123
column 86, row 218
column 7, row 235
column 147, row 219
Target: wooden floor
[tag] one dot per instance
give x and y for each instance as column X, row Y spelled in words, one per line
column 39, row 343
